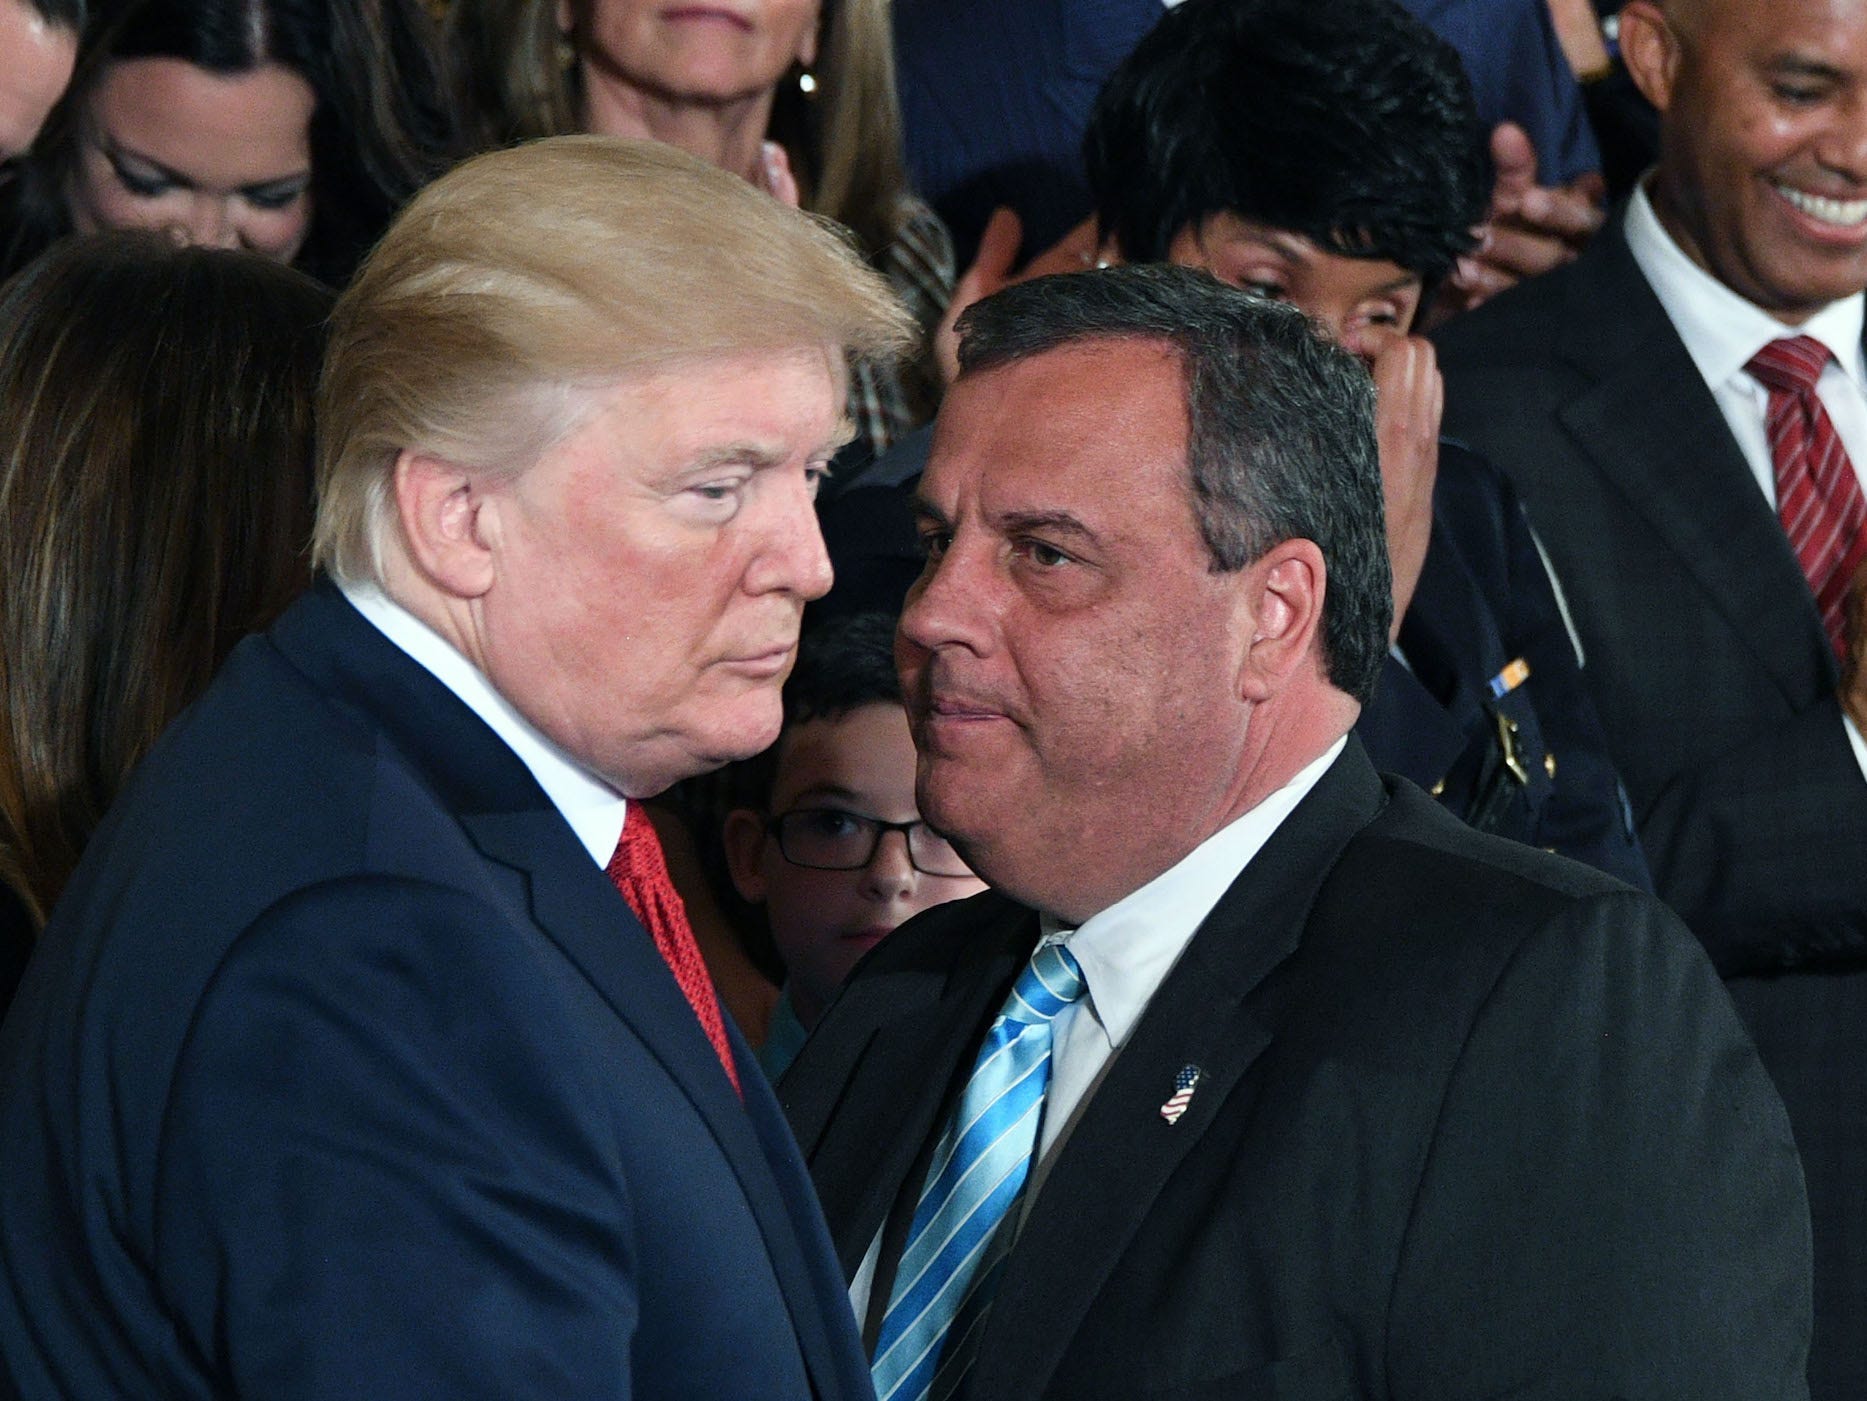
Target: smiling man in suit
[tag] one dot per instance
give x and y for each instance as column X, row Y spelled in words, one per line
column 1255, row 1075
column 1683, row 412
column 369, row 1052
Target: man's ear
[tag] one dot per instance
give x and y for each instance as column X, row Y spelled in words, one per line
column 1650, row 49
column 744, row 838
column 1281, row 602
column 440, row 507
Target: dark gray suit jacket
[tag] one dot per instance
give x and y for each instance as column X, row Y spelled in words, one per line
column 1716, row 688
column 1473, row 1121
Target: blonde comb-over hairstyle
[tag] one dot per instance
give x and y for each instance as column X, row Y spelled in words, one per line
column 521, row 282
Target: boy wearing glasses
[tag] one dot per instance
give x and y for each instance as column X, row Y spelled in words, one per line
column 839, row 856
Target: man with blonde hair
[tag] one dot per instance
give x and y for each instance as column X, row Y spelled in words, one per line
column 370, row 1053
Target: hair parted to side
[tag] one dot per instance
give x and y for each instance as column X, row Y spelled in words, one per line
column 155, row 481
column 1280, row 426
column 1346, row 121
column 525, row 279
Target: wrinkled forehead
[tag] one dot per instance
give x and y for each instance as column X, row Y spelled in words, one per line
column 1059, row 399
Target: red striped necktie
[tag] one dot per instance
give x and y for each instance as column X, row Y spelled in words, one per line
column 1818, row 495
column 641, row 875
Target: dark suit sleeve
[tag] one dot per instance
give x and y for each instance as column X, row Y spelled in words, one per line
column 1646, row 1230
column 1766, row 847
column 395, row 1183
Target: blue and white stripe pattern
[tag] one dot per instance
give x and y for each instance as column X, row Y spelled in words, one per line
column 955, row 1245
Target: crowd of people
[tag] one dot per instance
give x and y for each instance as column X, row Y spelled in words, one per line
column 939, row 699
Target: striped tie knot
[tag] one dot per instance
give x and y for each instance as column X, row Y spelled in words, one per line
column 1791, row 365
column 1051, row 981
column 1818, row 493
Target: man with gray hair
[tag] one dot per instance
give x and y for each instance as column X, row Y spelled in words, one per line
column 1256, row 1074
column 369, row 1052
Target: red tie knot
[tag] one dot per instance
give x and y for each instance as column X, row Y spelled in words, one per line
column 638, row 855
column 1791, row 365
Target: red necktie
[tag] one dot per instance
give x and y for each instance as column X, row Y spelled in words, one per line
column 1818, row 496
column 641, row 875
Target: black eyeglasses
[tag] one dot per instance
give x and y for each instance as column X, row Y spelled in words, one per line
column 829, row 839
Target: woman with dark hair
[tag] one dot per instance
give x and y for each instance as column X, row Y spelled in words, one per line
column 797, row 96
column 293, row 128
column 155, row 481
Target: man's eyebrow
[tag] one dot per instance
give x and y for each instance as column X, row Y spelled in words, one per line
column 926, row 513
column 825, row 792
column 1800, row 66
column 1052, row 522
column 756, row 454
column 735, row 454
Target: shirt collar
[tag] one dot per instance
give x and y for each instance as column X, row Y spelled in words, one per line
column 594, row 809
column 1721, row 330
column 1125, row 951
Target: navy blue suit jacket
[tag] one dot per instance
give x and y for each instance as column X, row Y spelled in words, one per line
column 342, row 1071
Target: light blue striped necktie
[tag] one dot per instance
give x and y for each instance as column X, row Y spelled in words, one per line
column 955, row 1245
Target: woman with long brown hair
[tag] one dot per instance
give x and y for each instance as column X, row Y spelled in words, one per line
column 155, row 481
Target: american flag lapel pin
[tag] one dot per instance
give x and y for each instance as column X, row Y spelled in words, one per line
column 1183, row 1086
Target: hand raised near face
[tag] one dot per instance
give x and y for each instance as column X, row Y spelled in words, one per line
column 1409, row 398
column 991, row 271
column 775, row 177
column 1529, row 228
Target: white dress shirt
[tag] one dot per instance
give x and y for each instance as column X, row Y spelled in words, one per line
column 1722, row 332
column 594, row 810
column 1126, row 952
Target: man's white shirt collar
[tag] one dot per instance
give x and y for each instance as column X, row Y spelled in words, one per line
column 593, row 808
column 1721, row 330
column 1126, row 950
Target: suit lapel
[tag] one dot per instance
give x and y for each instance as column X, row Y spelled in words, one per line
column 1655, row 432
column 512, row 823
column 1121, row 1152
column 927, row 1033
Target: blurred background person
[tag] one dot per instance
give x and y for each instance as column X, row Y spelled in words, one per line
column 155, row 478
column 995, row 95
column 832, row 846
column 38, row 46
column 797, row 96
column 1330, row 156
column 291, row 129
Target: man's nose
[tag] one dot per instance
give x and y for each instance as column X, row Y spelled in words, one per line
column 792, row 558
column 947, row 606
